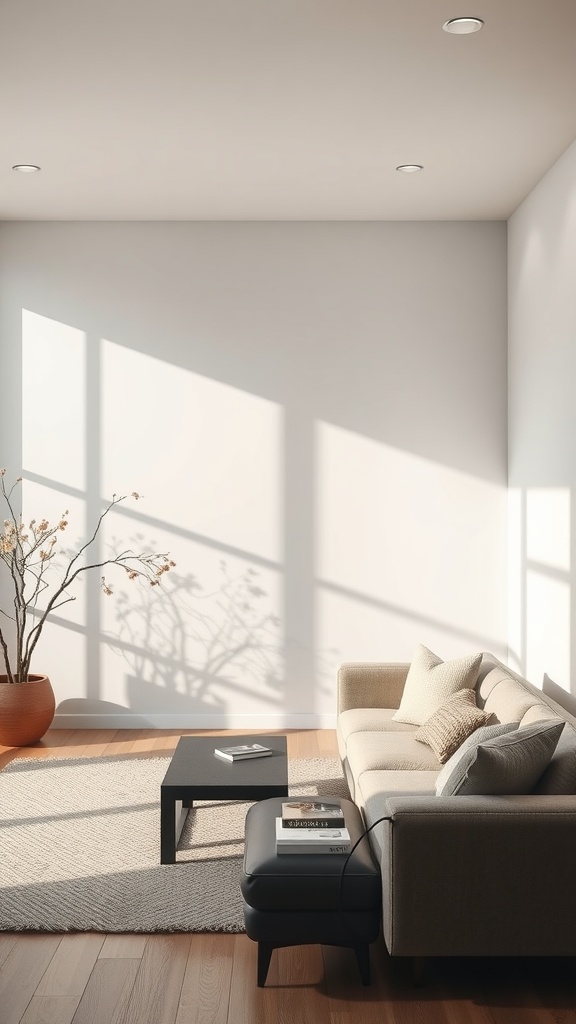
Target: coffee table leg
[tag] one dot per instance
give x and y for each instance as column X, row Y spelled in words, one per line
column 167, row 828
column 173, row 814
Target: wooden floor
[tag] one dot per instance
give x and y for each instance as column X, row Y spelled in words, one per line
column 91, row 978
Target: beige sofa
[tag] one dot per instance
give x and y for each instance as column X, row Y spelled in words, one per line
column 462, row 875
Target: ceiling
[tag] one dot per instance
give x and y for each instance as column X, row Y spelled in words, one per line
column 280, row 109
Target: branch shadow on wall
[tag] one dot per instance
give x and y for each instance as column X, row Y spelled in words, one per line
column 187, row 647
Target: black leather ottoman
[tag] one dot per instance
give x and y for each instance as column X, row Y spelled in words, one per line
column 297, row 899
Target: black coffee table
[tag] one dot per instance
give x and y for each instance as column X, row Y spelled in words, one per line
column 195, row 773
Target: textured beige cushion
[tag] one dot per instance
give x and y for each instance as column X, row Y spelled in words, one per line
column 376, row 786
column 448, row 727
column 370, row 720
column 511, row 763
column 366, row 720
column 394, row 751
column 431, row 681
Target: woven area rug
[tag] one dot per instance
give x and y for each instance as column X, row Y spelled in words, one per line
column 79, row 847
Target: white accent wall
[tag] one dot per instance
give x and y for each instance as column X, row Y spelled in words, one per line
column 542, row 428
column 315, row 415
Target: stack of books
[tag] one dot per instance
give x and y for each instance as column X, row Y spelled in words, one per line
column 242, row 752
column 312, row 827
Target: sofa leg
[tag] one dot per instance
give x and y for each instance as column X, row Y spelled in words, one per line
column 265, row 950
column 419, row 970
column 363, row 958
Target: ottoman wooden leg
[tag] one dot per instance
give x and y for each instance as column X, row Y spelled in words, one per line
column 265, row 950
column 363, row 958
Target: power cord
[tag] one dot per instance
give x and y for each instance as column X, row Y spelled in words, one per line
column 378, row 821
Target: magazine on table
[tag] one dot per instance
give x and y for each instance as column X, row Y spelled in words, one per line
column 312, row 814
column 311, row 840
column 242, row 752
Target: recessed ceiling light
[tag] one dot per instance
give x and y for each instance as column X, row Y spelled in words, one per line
column 410, row 168
column 26, row 168
column 463, row 26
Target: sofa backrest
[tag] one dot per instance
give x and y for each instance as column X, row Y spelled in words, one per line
column 513, row 699
column 510, row 700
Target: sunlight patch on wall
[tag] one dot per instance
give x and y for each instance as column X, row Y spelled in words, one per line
column 408, row 551
column 548, row 585
column 547, row 629
column 53, row 399
column 355, row 630
column 516, row 600
column 208, row 460
column 207, row 456
column 548, row 527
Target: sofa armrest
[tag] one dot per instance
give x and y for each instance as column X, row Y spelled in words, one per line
column 371, row 684
column 479, row 876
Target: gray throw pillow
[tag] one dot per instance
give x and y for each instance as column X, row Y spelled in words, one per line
column 509, row 763
column 560, row 775
column 454, row 771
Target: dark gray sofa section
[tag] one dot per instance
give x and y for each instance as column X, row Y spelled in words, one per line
column 461, row 876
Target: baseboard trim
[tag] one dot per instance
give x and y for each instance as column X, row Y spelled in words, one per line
column 219, row 721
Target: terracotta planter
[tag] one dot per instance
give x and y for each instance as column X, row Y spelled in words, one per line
column 26, row 710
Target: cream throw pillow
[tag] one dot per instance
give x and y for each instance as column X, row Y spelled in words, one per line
column 448, row 727
column 431, row 681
